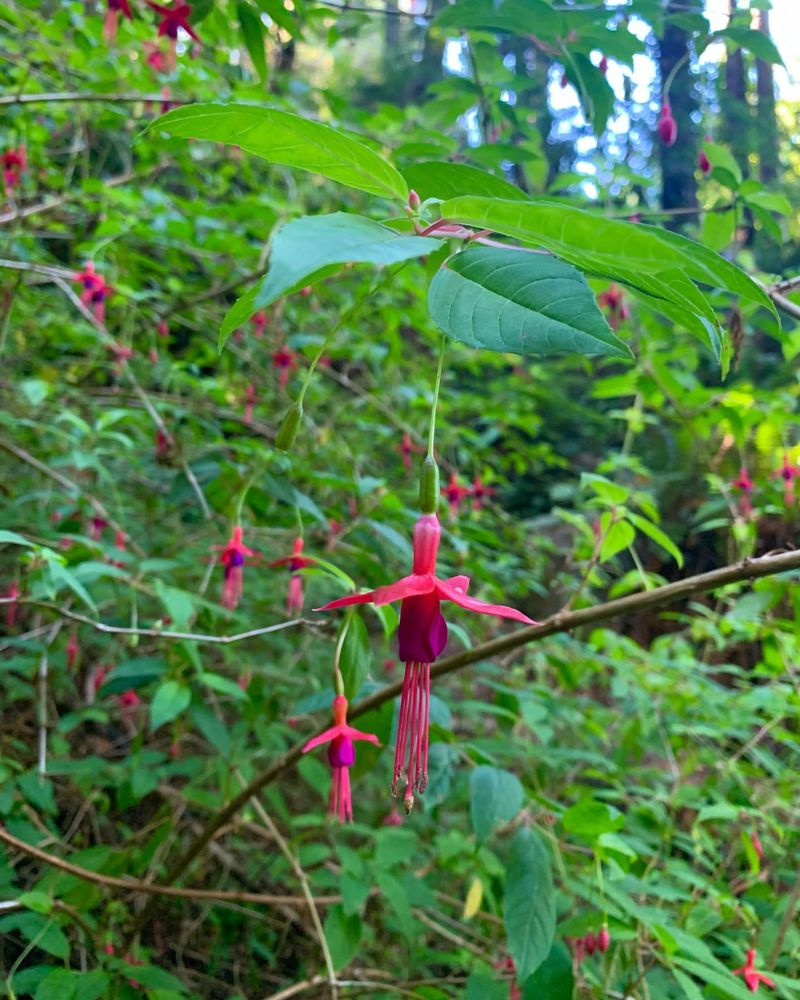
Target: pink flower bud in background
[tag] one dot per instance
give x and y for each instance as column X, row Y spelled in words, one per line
column 667, row 126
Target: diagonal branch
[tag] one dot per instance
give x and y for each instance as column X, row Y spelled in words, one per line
column 748, row 569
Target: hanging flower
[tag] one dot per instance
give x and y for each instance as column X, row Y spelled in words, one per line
column 111, row 21
column 341, row 757
column 296, row 561
column 163, row 329
column 603, row 940
column 479, row 492
column 667, row 126
column 745, row 485
column 154, row 57
column 95, row 290
column 15, row 164
column 613, row 301
column 702, row 158
column 72, row 651
column 11, row 608
column 249, row 403
column 173, row 19
column 232, row 558
column 454, row 493
column 758, row 847
column 422, row 636
column 603, row 65
column 96, row 528
column 259, row 322
column 284, row 360
column 120, row 539
column 788, row 472
column 752, row 977
column 407, row 449
column 163, row 445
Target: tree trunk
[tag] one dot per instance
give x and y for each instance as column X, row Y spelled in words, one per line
column 678, row 162
column 766, row 123
column 736, row 123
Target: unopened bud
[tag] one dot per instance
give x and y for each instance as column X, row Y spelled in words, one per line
column 603, row 940
column 413, row 200
column 284, row 439
column 429, row 486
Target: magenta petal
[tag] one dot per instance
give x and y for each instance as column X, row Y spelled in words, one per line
column 422, row 632
column 343, row 602
column 408, row 586
column 450, row 593
column 326, row 737
column 356, row 734
column 341, row 752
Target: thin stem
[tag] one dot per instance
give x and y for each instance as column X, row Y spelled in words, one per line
column 434, row 406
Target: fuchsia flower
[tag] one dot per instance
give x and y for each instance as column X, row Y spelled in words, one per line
column 232, row 558
column 111, row 21
column 15, row 164
column 407, row 449
column 163, row 445
column 284, row 360
column 745, row 484
column 249, row 403
column 163, row 329
column 341, row 757
column 603, row 65
column 154, row 57
column 667, row 126
column 422, row 636
column 454, row 493
column 72, row 651
column 702, row 158
column 97, row 527
column 613, row 300
column 173, row 18
column 95, row 290
column 120, row 538
column 11, row 609
column 752, row 977
column 259, row 322
column 788, row 472
column 479, row 492
column 757, row 845
column 296, row 561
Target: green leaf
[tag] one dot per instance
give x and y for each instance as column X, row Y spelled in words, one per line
column 754, row 41
column 356, row 657
column 719, row 229
column 632, row 253
column 525, row 303
column 657, row 535
column 433, row 179
column 513, row 17
column 721, row 157
column 169, row 701
column 39, row 902
column 12, row 538
column 60, row 984
column 280, row 15
column 589, row 818
column 553, row 980
column 282, row 137
column 343, row 934
column 253, row 34
column 482, row 985
column 529, row 904
column 319, row 243
column 133, row 674
column 222, row 684
column 594, row 90
column 92, row 985
column 618, row 535
column 689, row 987
column 495, row 796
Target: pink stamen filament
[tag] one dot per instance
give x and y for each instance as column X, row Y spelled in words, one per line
column 411, row 750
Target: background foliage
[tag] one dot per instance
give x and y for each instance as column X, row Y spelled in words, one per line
column 639, row 775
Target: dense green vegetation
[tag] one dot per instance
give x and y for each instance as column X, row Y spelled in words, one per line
column 250, row 250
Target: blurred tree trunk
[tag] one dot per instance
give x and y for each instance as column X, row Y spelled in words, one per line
column 391, row 37
column 678, row 162
column 766, row 122
column 735, row 110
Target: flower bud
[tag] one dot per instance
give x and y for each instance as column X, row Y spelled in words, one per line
column 429, row 486
column 284, row 439
column 413, row 200
column 603, row 939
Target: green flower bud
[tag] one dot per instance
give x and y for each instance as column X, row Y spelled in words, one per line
column 429, row 486
column 290, row 425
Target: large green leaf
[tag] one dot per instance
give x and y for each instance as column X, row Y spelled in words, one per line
column 356, row 657
column 281, row 137
column 169, row 701
column 525, row 303
column 495, row 796
column 553, row 980
column 514, row 17
column 318, row 244
column 434, row 179
column 529, row 907
column 629, row 252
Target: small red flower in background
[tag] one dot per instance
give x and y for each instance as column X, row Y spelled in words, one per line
column 603, row 65
column 757, row 845
column 667, row 126
column 335, row 528
column 341, row 757
column 407, row 449
column 454, row 493
column 129, row 700
column 120, row 354
column 232, row 557
column 752, row 977
column 72, row 651
column 296, row 561
column 249, row 403
column 507, row 965
column 95, row 290
column 15, row 164
column 702, row 158
column 163, row 329
column 479, row 492
column 111, row 20
column 613, row 300
column 284, row 360
column 96, row 528
column 11, row 609
column 603, row 940
column 392, row 818
column 120, row 538
column 746, row 486
column 259, row 322
column 173, row 19
column 163, row 446
column 154, row 57
column 422, row 636
column 788, row 472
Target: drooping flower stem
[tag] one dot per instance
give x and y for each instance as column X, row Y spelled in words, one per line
column 434, row 406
